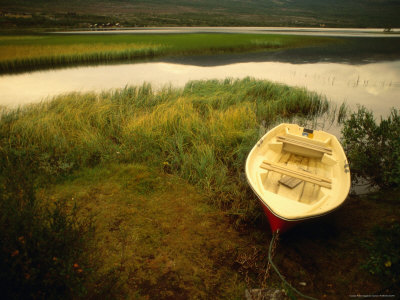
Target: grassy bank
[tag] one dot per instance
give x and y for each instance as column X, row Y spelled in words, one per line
column 153, row 170
column 132, row 194
column 201, row 133
column 21, row 53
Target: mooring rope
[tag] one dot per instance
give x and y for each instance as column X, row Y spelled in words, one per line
column 275, row 236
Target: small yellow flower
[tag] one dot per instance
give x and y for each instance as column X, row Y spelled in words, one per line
column 388, row 264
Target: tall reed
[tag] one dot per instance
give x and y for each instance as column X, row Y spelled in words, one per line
column 202, row 132
column 90, row 56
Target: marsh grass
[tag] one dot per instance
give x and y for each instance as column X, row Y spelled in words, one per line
column 20, row 53
column 14, row 52
column 202, row 132
column 38, row 56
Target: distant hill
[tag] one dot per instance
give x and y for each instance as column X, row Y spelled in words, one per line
column 329, row 13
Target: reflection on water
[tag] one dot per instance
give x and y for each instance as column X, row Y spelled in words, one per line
column 344, row 50
column 375, row 85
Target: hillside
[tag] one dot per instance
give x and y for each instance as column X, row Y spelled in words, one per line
column 77, row 13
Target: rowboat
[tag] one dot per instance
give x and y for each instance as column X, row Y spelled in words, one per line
column 297, row 174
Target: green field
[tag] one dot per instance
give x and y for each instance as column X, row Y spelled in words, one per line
column 21, row 53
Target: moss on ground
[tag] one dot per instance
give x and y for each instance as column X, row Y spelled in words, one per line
column 156, row 233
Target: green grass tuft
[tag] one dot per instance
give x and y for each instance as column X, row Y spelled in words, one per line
column 201, row 133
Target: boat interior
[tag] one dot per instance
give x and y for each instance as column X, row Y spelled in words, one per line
column 299, row 165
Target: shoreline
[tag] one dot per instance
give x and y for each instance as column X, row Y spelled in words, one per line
column 313, row 31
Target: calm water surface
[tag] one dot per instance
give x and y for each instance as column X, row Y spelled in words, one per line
column 363, row 72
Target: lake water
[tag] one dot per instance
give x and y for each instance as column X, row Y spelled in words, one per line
column 359, row 71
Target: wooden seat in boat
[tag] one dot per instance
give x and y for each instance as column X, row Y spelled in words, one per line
column 303, row 175
column 304, row 144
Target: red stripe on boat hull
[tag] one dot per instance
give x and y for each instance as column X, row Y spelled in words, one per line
column 277, row 223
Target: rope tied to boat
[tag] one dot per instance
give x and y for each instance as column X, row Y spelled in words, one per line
column 271, row 252
column 272, row 247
